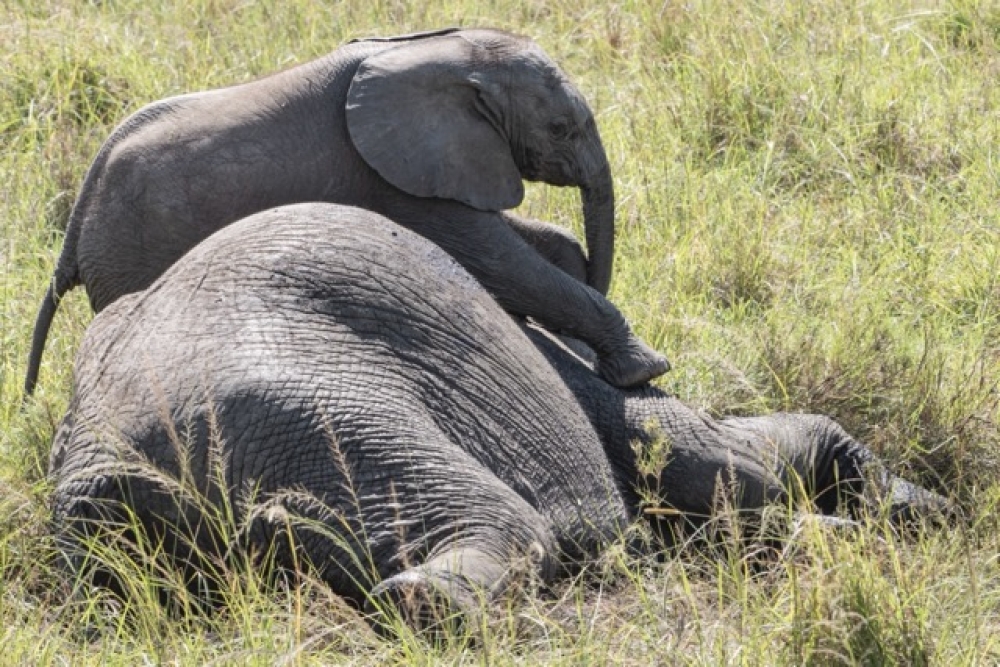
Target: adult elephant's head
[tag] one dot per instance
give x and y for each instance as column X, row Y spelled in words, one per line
column 467, row 115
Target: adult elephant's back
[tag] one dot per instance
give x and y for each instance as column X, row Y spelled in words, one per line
column 391, row 397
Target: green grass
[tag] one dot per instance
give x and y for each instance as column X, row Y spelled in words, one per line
column 809, row 220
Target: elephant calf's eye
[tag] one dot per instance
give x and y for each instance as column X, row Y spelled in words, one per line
column 559, row 129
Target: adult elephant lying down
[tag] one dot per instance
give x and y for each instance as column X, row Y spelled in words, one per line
column 350, row 385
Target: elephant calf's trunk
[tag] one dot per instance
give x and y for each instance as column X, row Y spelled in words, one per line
column 598, row 199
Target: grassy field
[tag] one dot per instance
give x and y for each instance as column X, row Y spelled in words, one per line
column 809, row 220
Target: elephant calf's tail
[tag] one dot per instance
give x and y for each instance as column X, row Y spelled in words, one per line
column 57, row 288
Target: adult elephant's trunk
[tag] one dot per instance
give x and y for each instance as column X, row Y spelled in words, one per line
column 598, row 195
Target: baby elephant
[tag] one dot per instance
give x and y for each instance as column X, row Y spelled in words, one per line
column 437, row 131
column 364, row 406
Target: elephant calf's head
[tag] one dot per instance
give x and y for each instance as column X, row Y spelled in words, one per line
column 467, row 115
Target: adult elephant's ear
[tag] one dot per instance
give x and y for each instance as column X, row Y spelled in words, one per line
column 418, row 116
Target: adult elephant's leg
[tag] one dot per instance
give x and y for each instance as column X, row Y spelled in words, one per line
column 441, row 528
column 524, row 283
column 477, row 532
column 471, row 568
column 457, row 581
column 815, row 453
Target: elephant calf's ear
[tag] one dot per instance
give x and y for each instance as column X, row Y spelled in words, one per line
column 412, row 115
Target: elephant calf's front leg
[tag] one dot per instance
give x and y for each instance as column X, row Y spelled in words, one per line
column 537, row 289
column 525, row 283
column 557, row 245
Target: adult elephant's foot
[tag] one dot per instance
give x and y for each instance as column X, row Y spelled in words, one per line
column 426, row 603
column 442, row 595
column 632, row 365
column 911, row 506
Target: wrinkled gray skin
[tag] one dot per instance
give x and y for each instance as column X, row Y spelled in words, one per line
column 314, row 340
column 435, row 131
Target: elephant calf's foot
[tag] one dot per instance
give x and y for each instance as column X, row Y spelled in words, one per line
column 632, row 365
